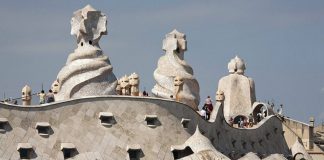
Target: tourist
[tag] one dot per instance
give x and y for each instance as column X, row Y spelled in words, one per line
column 42, row 97
column 259, row 117
column 246, row 124
column 250, row 120
column 14, row 101
column 241, row 123
column 280, row 111
column 6, row 101
column 231, row 122
column 205, row 108
column 50, row 96
column 145, row 94
column 209, row 106
column 202, row 113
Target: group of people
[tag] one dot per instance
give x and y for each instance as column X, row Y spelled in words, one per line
column 46, row 98
column 242, row 122
column 10, row 101
column 206, row 109
column 43, row 98
column 145, row 94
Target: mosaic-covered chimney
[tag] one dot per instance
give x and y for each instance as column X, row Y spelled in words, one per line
column 88, row 71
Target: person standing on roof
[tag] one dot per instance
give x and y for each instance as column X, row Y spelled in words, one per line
column 42, row 97
column 50, row 96
column 209, row 106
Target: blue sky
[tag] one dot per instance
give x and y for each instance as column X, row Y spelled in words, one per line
column 282, row 43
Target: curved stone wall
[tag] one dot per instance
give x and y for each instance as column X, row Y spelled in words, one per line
column 77, row 121
column 265, row 138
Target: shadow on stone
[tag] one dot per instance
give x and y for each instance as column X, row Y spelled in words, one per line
column 178, row 154
column 5, row 127
column 135, row 154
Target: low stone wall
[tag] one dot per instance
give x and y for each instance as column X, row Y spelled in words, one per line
column 77, row 121
column 302, row 130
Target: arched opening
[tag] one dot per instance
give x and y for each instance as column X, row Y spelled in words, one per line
column 259, row 112
column 238, row 118
column 237, row 121
column 299, row 156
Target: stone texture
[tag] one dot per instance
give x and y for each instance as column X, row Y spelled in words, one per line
column 77, row 121
column 299, row 152
column 171, row 65
column 87, row 71
column 124, row 85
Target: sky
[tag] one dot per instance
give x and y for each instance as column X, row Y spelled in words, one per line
column 282, row 43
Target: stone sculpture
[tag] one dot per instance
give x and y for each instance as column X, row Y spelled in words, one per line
column 124, row 85
column 172, row 64
column 178, row 87
column 55, row 87
column 239, row 90
column 26, row 96
column 87, row 71
column 220, row 96
column 118, row 89
column 134, row 82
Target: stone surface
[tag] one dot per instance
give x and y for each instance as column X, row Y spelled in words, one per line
column 239, row 90
column 201, row 147
column 275, row 157
column 299, row 152
column 87, row 71
column 77, row 121
column 250, row 156
column 171, row 65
